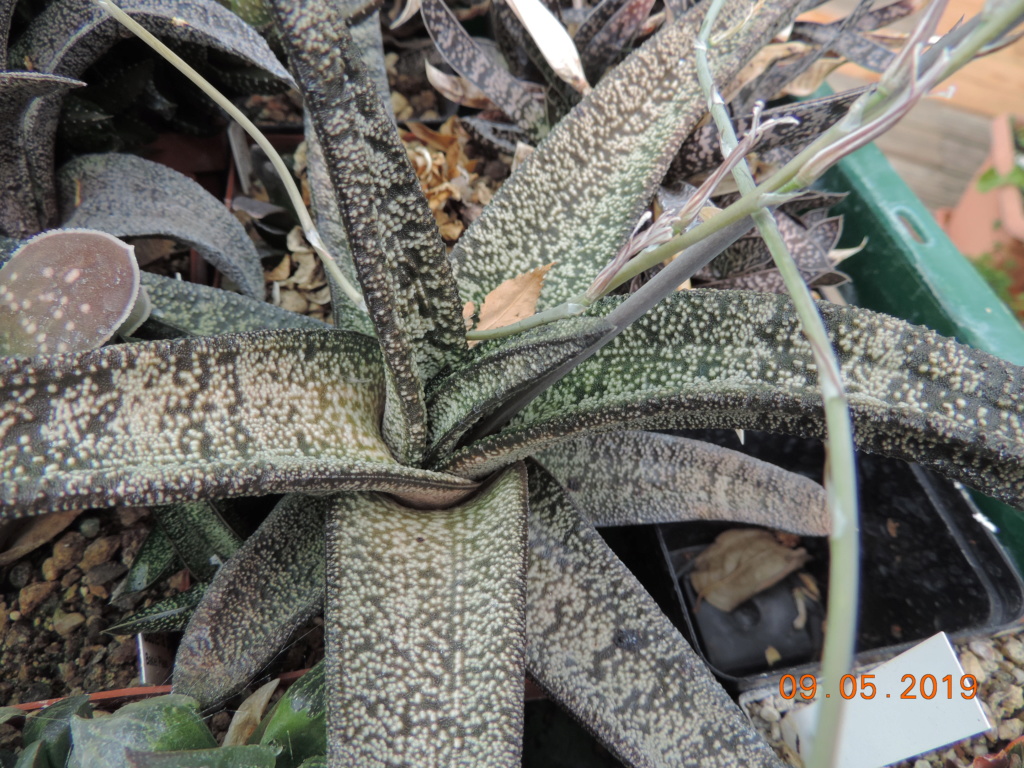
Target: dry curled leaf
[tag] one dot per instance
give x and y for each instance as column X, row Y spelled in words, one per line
column 513, row 300
column 248, row 715
column 457, row 89
column 34, row 533
column 553, row 40
column 741, row 563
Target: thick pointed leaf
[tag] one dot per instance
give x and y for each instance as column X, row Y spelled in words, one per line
column 159, row 422
column 6, row 12
column 171, row 614
column 705, row 359
column 578, row 197
column 272, row 585
column 127, row 196
column 401, row 261
column 200, row 537
column 69, row 36
column 495, row 372
column 250, row 756
column 631, row 478
column 66, row 290
column 52, row 727
column 162, row 723
column 19, row 215
column 298, row 722
column 155, row 559
column 204, row 311
column 613, row 39
column 601, row 647
column 514, row 97
column 424, row 630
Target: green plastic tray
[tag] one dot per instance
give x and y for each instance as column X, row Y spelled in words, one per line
column 910, row 269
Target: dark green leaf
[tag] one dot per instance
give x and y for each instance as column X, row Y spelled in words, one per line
column 706, row 359
column 613, row 39
column 401, row 261
column 298, row 722
column 19, row 213
column 171, row 614
column 199, row 535
column 272, row 585
column 156, row 559
column 160, row 724
column 217, row 757
column 601, row 647
column 424, row 630
column 205, row 311
column 494, row 372
column 578, row 197
column 69, row 36
column 52, row 728
column 128, row 196
column 158, row 422
column 634, row 478
column 32, row 757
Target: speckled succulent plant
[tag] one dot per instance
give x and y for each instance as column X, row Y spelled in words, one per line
column 459, row 558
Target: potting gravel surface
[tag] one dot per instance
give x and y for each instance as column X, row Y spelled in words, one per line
column 55, row 605
column 997, row 663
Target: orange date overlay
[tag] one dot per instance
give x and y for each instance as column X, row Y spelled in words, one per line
column 852, row 686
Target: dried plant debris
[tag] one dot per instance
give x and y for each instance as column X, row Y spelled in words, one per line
column 455, row 191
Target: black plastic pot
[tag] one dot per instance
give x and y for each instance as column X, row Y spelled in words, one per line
column 929, row 563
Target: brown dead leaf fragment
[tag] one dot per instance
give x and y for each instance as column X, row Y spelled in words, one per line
column 248, row 715
column 772, row 655
column 35, row 532
column 741, row 563
column 513, row 300
column 892, row 527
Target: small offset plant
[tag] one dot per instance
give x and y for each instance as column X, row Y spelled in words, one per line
column 441, row 499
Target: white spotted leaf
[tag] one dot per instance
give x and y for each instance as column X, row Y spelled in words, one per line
column 66, row 291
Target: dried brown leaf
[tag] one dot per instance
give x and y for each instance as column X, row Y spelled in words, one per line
column 37, row 532
column 810, row 81
column 248, row 715
column 457, row 89
column 513, row 300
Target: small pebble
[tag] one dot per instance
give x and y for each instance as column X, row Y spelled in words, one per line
column 922, row 764
column 1018, row 675
column 50, row 572
column 99, row 552
column 982, row 649
column 769, row 714
column 90, row 527
column 68, row 550
column 66, row 623
column 972, row 666
column 1014, row 650
column 34, row 594
column 1010, row 729
column 20, row 574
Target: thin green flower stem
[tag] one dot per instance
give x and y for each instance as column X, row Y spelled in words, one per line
column 840, row 466
column 308, row 227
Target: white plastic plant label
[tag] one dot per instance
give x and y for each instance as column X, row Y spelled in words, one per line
column 156, row 658
column 916, row 702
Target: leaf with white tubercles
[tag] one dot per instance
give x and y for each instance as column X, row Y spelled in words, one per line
column 128, row 196
column 69, row 36
column 424, row 629
column 514, row 97
column 19, row 214
column 613, row 39
column 204, row 311
column 238, row 415
column 731, row 359
column 199, row 535
column 168, row 615
column 400, row 258
column 601, row 647
column 636, row 478
column 495, row 372
column 66, row 290
column 579, row 196
column 256, row 601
